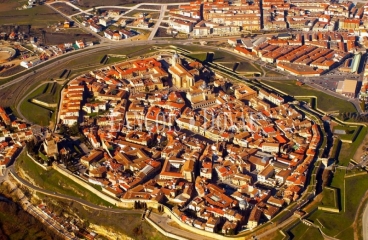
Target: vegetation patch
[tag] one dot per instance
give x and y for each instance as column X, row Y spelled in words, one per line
column 55, row 181
column 40, row 16
column 199, row 56
column 352, row 191
column 18, row 224
column 302, row 231
column 331, row 200
column 325, row 102
column 36, row 113
column 347, row 133
column 50, row 93
column 118, row 225
column 246, row 67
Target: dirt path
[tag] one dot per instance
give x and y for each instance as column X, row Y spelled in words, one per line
column 362, row 205
column 359, row 152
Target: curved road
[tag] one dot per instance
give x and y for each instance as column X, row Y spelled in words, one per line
column 66, row 197
column 160, row 220
column 365, row 223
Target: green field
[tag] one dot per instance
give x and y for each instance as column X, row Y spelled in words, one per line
column 348, row 150
column 34, row 113
column 340, row 224
column 50, row 93
column 352, row 190
column 247, row 67
column 302, row 231
column 199, row 56
column 112, row 60
column 325, row 102
column 136, row 12
column 351, row 132
column 10, row 5
column 219, row 56
column 113, row 222
column 228, row 65
column 39, row 114
column 277, row 235
column 270, row 73
column 330, row 198
column 55, row 181
column 39, row 16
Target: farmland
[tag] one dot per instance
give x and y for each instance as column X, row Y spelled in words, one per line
column 95, row 3
column 65, row 8
column 40, row 16
column 10, row 5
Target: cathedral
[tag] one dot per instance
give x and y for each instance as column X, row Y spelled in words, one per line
column 181, row 77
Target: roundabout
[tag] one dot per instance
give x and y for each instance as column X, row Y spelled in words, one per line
column 6, row 54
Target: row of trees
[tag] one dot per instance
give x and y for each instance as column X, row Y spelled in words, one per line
column 353, row 116
column 140, row 205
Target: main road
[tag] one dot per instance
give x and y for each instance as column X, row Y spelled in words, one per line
column 158, row 23
column 365, row 223
column 34, row 75
column 13, row 172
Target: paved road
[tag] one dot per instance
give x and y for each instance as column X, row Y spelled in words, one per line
column 11, row 169
column 158, row 23
column 102, row 39
column 162, row 221
column 365, row 223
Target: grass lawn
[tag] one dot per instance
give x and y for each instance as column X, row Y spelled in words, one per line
column 340, row 224
column 351, row 132
column 247, row 67
column 221, row 56
column 348, row 150
column 111, row 60
column 344, row 155
column 302, row 231
column 55, row 181
column 10, row 5
column 96, row 58
column 325, row 102
column 39, row 16
column 229, row 65
column 192, row 48
column 330, row 198
column 199, row 56
column 346, row 233
column 51, row 93
column 275, row 236
column 33, row 112
column 135, row 13
column 118, row 223
column 270, row 73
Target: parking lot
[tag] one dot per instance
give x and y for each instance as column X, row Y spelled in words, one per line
column 327, row 84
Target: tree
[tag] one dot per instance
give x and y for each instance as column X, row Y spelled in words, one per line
column 31, row 147
column 147, row 89
column 63, row 129
column 74, row 130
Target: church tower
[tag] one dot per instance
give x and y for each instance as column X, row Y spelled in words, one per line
column 175, row 59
